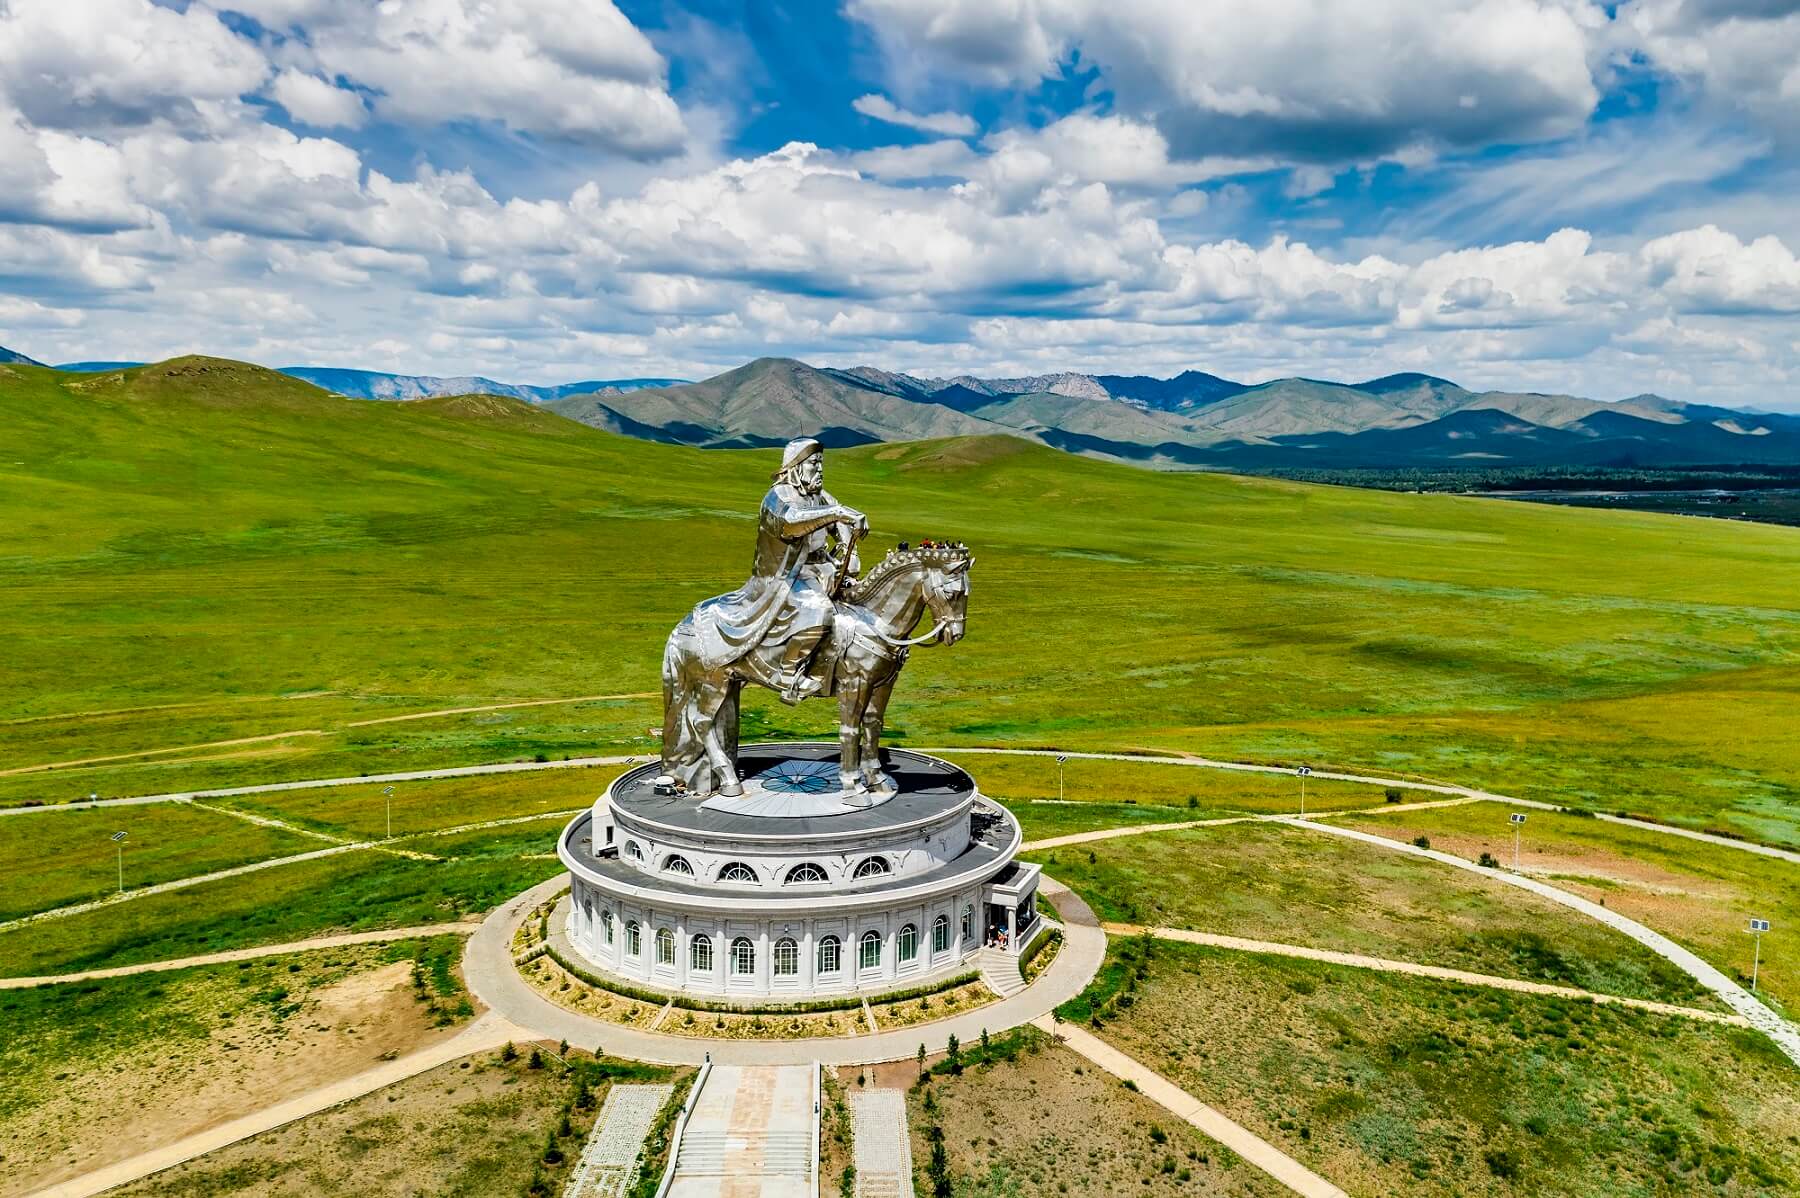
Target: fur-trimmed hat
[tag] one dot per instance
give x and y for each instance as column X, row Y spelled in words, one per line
column 798, row 450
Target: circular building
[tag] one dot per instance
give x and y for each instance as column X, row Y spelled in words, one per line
column 796, row 890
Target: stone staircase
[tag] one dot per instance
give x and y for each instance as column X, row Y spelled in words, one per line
column 751, row 1135
column 1000, row 971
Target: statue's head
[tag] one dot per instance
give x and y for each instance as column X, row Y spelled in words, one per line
column 803, row 465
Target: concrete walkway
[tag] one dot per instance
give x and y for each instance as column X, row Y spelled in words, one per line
column 609, row 1159
column 247, row 954
column 882, row 1145
column 1386, row 965
column 491, row 975
column 1785, row 1035
column 1154, row 1086
column 750, row 1135
column 484, row 1035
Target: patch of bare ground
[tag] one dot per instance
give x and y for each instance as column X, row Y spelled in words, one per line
column 1046, row 1123
column 100, row 1071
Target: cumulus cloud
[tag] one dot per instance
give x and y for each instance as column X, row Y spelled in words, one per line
column 1745, row 53
column 572, row 69
column 1313, row 82
column 313, row 101
column 948, row 124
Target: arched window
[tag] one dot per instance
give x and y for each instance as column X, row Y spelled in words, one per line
column 909, row 943
column 665, row 947
column 787, row 957
column 675, row 863
column 606, row 922
column 700, row 953
column 871, row 867
column 831, row 955
column 743, row 956
column 633, row 850
column 587, row 909
column 737, row 871
column 869, row 951
column 968, row 926
column 634, row 938
column 805, row 872
column 940, row 934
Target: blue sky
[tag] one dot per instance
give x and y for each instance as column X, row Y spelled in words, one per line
column 1542, row 194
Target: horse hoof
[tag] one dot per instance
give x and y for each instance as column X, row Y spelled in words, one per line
column 732, row 790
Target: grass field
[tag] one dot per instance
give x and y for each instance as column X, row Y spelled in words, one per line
column 1272, row 882
column 97, row 1069
column 1702, row 895
column 1157, row 784
column 201, row 552
column 62, row 857
column 1389, row 1084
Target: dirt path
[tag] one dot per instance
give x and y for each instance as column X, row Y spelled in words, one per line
column 1235, row 1136
column 427, row 715
column 484, row 1035
column 1785, row 1035
column 1386, row 965
column 249, row 954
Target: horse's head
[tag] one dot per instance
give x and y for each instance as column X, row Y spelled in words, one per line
column 947, row 594
column 935, row 575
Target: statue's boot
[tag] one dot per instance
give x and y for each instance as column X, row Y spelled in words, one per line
column 798, row 684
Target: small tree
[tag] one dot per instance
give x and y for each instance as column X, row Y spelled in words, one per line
column 509, row 1053
column 986, row 1051
column 938, row 1170
column 1392, row 794
column 1423, row 842
column 536, row 1060
column 953, row 1055
column 921, row 1060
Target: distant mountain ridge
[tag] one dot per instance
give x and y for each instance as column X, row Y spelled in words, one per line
column 13, row 357
column 375, row 384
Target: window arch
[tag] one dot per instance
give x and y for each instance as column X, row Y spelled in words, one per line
column 831, row 954
column 675, row 863
column 737, row 871
column 665, row 947
column 872, row 867
column 787, row 957
column 940, row 934
column 806, row 872
column 606, row 925
column 634, row 850
column 743, row 956
column 869, row 951
column 909, row 944
column 634, row 938
column 700, row 953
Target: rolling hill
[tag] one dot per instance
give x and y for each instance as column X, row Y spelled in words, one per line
column 203, row 551
column 7, row 355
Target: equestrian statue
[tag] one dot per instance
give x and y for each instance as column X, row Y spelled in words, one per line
column 805, row 625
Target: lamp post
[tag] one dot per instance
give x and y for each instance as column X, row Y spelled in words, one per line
column 1518, row 821
column 118, row 839
column 1305, row 772
column 1061, row 760
column 1757, row 928
column 387, row 802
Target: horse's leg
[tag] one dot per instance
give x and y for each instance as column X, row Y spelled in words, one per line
column 722, row 744
column 874, row 716
column 852, row 696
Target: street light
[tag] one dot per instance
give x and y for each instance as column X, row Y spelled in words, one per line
column 1757, row 928
column 1305, row 772
column 118, row 839
column 1518, row 821
column 1061, row 760
column 387, row 796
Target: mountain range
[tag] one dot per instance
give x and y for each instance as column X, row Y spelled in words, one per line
column 1193, row 420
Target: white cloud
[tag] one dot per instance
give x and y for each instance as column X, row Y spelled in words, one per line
column 1742, row 53
column 1314, row 82
column 1709, row 270
column 949, row 124
column 571, row 69
column 312, row 101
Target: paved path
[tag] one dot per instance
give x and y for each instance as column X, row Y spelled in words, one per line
column 460, row 771
column 488, row 968
column 485, row 1034
column 1240, row 1139
column 1057, row 842
column 608, row 1163
column 246, row 954
column 1386, row 965
column 750, row 1135
column 883, row 1147
column 1785, row 1035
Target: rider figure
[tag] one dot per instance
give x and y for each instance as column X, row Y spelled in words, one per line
column 788, row 599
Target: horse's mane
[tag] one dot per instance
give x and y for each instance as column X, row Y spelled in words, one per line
column 898, row 561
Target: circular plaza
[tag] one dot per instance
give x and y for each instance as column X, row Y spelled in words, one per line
column 795, row 890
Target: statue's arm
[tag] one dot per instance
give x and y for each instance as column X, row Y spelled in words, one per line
column 798, row 520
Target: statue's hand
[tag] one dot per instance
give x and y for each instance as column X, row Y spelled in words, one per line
column 859, row 523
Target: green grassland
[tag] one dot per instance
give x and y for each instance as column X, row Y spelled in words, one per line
column 355, row 891
column 252, row 558
column 1272, row 882
column 1700, row 894
column 1160, row 784
column 1388, row 1084
column 57, row 858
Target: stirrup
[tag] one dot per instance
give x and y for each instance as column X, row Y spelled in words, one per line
column 801, row 686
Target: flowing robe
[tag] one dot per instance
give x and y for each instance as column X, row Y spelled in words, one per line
column 789, row 579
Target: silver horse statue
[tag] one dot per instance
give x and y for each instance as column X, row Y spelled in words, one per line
column 804, row 626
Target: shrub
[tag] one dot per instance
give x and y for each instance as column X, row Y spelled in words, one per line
column 1423, row 842
column 1392, row 794
column 1489, row 860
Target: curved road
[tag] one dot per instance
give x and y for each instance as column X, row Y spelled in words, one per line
column 491, row 975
